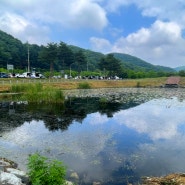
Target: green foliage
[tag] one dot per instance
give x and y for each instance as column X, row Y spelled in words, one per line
column 90, row 73
column 182, row 73
column 43, row 171
column 112, row 65
column 36, row 93
column 84, row 85
column 3, row 70
column 103, row 101
column 65, row 56
column 81, row 61
column 19, row 88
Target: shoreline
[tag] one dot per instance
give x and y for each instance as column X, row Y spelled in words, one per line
column 11, row 174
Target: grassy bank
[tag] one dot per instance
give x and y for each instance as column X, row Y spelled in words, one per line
column 36, row 93
column 6, row 84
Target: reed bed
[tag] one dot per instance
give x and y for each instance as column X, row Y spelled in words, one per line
column 37, row 93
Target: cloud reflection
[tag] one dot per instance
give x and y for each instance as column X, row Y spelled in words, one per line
column 160, row 119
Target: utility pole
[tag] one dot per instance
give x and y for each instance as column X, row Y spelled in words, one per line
column 28, row 58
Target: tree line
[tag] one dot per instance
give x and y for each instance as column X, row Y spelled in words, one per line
column 60, row 58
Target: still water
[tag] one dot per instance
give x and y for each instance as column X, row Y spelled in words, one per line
column 112, row 142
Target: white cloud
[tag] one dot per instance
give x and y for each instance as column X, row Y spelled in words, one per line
column 21, row 28
column 96, row 119
column 100, row 44
column 13, row 22
column 71, row 13
column 162, row 42
column 32, row 16
column 88, row 14
column 114, row 5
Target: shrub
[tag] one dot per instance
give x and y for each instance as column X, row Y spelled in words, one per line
column 138, row 84
column 84, row 85
column 43, row 171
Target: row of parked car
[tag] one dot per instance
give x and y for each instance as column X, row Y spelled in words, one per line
column 23, row 75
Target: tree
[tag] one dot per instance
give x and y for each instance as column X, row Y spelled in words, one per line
column 65, row 55
column 112, row 65
column 81, row 60
column 182, row 73
column 49, row 54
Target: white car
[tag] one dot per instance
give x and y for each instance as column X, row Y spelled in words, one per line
column 24, row 75
column 37, row 75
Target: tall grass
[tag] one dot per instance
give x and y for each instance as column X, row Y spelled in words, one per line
column 36, row 93
column 84, row 85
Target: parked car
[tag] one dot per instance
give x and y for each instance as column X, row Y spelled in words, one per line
column 3, row 75
column 24, row 75
column 37, row 75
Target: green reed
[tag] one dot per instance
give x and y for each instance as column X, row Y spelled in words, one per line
column 36, row 93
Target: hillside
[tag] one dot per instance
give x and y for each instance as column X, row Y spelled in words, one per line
column 179, row 68
column 13, row 51
column 129, row 62
column 137, row 64
column 92, row 57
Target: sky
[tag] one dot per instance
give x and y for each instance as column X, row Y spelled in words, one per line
column 153, row 30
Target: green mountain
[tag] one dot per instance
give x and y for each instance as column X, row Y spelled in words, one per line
column 128, row 61
column 13, row 51
column 179, row 68
column 137, row 64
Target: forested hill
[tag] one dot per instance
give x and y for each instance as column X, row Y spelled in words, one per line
column 13, row 51
column 138, row 64
column 129, row 62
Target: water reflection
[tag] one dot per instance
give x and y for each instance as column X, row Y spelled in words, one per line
column 109, row 142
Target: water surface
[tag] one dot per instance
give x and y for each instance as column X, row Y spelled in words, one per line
column 112, row 142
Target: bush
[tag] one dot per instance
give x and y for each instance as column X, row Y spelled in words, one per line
column 84, row 85
column 43, row 171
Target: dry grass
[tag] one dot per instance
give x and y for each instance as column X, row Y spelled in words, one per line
column 74, row 84
column 182, row 82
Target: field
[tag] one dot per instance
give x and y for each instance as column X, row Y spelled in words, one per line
column 5, row 84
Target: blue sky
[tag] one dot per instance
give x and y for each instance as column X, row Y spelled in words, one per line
column 152, row 30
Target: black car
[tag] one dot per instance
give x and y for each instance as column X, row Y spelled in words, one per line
column 3, row 75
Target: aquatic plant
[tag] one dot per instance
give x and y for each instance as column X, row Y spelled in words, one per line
column 103, row 100
column 36, row 93
column 43, row 171
column 17, row 88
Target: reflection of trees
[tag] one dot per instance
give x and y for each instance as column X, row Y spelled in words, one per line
column 56, row 116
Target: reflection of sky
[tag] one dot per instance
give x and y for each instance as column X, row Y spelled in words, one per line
column 160, row 119
column 149, row 137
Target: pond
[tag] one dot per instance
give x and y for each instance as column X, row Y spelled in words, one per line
column 114, row 137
